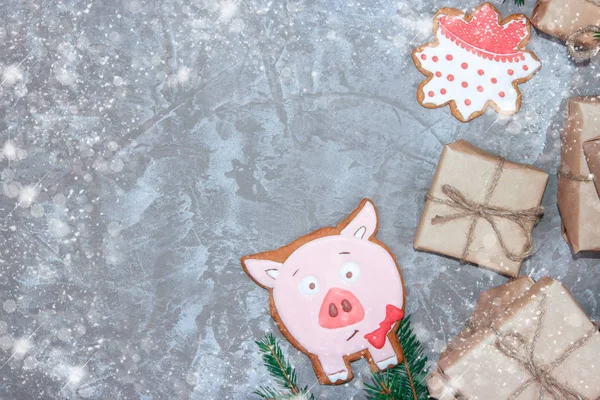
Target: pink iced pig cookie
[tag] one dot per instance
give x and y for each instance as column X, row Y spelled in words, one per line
column 475, row 61
column 336, row 294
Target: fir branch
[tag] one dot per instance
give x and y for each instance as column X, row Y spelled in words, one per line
column 406, row 380
column 266, row 392
column 276, row 364
column 597, row 35
column 281, row 371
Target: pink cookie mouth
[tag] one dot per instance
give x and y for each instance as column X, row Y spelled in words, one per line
column 351, row 336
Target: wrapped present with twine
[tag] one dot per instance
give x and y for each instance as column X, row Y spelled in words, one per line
column 578, row 200
column 482, row 209
column 525, row 341
column 573, row 21
column 591, row 150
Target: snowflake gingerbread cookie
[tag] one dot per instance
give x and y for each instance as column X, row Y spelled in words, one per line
column 475, row 61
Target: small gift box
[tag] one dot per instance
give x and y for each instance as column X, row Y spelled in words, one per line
column 525, row 341
column 591, row 149
column 481, row 208
column 561, row 18
column 578, row 200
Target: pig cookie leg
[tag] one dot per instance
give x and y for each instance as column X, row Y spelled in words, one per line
column 385, row 357
column 335, row 369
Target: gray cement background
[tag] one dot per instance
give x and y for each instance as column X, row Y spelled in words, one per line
column 147, row 145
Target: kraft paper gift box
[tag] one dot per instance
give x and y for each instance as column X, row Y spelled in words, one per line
column 481, row 209
column 578, row 200
column 525, row 341
column 591, row 149
column 490, row 305
column 561, row 18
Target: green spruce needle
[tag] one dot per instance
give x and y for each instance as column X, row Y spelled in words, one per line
column 281, row 371
column 265, row 392
column 519, row 3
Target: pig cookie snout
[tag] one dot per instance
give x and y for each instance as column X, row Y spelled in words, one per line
column 340, row 308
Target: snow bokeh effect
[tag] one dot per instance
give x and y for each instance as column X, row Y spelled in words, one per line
column 146, row 146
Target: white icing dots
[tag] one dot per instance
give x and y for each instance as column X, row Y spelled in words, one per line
column 470, row 80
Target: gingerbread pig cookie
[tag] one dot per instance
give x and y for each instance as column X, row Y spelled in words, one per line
column 475, row 61
column 337, row 295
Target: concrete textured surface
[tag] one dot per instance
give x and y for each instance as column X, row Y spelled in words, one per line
column 147, row 145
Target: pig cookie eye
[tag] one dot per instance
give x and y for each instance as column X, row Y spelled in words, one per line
column 309, row 285
column 349, row 272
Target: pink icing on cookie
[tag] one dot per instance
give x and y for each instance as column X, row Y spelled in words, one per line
column 334, row 290
column 484, row 36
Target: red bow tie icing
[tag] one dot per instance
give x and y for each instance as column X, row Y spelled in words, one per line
column 377, row 337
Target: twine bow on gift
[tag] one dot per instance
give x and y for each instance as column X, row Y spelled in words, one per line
column 582, row 54
column 514, row 345
column 467, row 208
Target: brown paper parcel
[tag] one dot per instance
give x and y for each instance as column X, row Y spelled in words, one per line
column 564, row 355
column 591, row 149
column 561, row 18
column 578, row 199
column 471, row 171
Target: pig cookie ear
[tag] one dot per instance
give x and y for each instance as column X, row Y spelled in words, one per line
column 364, row 223
column 264, row 272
